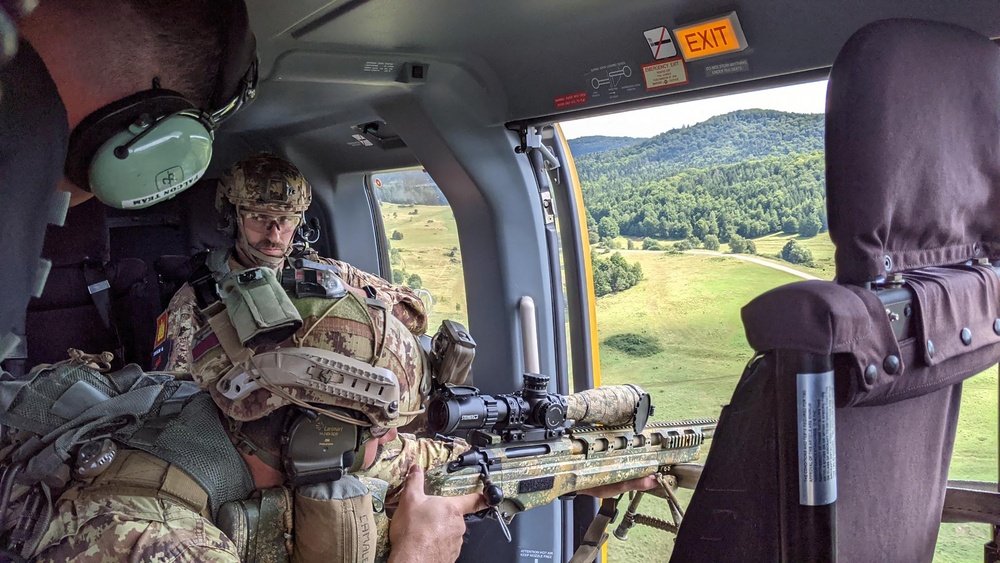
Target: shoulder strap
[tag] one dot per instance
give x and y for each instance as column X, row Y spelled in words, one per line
column 202, row 279
column 99, row 289
column 596, row 534
column 218, row 263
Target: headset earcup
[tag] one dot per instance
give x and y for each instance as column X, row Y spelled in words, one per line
column 112, row 119
column 161, row 161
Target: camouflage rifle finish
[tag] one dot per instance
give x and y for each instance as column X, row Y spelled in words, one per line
column 533, row 474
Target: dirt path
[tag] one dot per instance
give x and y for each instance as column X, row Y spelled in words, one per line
column 756, row 260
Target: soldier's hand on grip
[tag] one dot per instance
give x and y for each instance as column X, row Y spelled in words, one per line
column 429, row 528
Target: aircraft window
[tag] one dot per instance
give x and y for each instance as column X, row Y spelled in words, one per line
column 423, row 244
column 690, row 222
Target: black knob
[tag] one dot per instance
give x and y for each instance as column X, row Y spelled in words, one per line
column 536, row 382
column 493, row 494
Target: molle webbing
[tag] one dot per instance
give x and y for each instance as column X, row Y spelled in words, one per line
column 66, row 405
column 136, row 473
column 196, row 441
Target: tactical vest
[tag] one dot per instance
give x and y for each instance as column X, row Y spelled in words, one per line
column 55, row 422
column 249, row 311
column 337, row 322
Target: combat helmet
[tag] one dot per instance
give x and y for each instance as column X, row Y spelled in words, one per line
column 388, row 362
column 264, row 182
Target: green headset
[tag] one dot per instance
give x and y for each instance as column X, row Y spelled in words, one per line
column 153, row 145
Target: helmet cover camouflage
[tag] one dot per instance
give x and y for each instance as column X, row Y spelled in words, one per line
column 347, row 326
column 264, row 182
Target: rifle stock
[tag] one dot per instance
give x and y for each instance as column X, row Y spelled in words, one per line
column 536, row 473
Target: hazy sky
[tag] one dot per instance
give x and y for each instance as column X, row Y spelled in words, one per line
column 802, row 98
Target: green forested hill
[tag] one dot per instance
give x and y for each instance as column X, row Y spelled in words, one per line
column 599, row 143
column 724, row 139
column 750, row 172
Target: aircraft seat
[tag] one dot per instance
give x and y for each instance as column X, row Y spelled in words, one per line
column 90, row 301
column 837, row 440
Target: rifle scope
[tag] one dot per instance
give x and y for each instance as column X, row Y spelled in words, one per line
column 454, row 408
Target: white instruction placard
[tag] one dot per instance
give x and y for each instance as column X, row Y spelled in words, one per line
column 817, row 438
column 660, row 43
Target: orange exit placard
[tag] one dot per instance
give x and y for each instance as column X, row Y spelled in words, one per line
column 709, row 38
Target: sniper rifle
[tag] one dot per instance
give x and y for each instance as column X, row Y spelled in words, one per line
column 531, row 447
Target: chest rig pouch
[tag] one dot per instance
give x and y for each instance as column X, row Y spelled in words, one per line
column 257, row 305
column 343, row 521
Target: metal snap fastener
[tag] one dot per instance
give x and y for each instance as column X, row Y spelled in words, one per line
column 871, row 374
column 891, row 364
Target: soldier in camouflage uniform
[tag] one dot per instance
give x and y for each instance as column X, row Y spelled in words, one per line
column 264, row 197
column 108, row 520
column 116, row 522
column 103, row 522
column 105, row 528
column 93, row 65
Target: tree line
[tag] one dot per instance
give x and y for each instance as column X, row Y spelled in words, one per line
column 748, row 174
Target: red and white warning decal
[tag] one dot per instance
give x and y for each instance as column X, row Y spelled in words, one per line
column 664, row 74
column 660, row 43
column 161, row 329
column 570, row 100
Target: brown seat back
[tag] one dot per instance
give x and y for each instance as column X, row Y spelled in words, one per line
column 913, row 183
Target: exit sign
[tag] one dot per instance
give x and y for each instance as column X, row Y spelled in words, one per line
column 710, row 38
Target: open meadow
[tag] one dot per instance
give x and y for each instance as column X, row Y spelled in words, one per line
column 690, row 305
column 686, row 313
column 429, row 248
column 820, row 246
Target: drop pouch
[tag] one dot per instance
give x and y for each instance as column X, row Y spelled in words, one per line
column 335, row 522
column 260, row 526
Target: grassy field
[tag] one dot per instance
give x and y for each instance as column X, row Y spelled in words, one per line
column 821, row 247
column 690, row 305
column 770, row 247
column 429, row 237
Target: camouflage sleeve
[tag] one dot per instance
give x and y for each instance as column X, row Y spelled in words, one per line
column 130, row 528
column 175, row 332
column 395, row 458
column 406, row 306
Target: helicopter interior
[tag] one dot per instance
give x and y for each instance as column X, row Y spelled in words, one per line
column 466, row 91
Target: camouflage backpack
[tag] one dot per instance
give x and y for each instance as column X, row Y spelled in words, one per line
column 51, row 419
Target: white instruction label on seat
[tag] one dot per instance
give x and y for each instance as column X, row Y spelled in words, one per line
column 817, row 438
